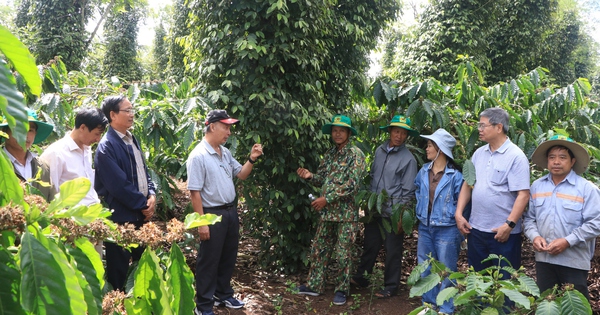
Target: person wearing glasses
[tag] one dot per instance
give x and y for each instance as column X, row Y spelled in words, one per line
column 123, row 181
column 71, row 156
column 499, row 196
column 211, row 169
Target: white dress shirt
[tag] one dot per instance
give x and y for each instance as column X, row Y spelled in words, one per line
column 67, row 161
column 23, row 170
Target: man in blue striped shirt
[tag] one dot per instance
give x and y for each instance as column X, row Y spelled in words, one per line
column 563, row 219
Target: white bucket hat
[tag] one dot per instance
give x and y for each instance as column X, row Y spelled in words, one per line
column 444, row 140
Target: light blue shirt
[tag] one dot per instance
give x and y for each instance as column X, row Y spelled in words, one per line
column 569, row 210
column 500, row 175
column 212, row 174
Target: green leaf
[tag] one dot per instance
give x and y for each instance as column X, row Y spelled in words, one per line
column 386, row 226
column 574, row 303
column 150, row 287
column 23, row 62
column 194, row 219
column 446, row 295
column 89, row 262
column 469, row 173
column 372, row 201
column 489, row 311
column 11, row 277
column 415, row 274
column 12, row 105
column 10, row 190
column 425, row 284
column 465, row 297
column 381, row 199
column 180, row 280
column 71, row 193
column 547, row 307
column 91, row 292
column 528, row 285
column 517, row 297
column 48, row 282
column 83, row 215
column 408, row 221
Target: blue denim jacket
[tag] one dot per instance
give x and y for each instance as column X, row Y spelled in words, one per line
column 444, row 200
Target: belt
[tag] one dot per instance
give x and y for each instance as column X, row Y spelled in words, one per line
column 222, row 207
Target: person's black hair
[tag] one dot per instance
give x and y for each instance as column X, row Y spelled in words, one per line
column 111, row 104
column 560, row 147
column 496, row 116
column 450, row 162
column 91, row 117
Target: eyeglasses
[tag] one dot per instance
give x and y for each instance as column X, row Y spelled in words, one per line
column 129, row 111
column 482, row 126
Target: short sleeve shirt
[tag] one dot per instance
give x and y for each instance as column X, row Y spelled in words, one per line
column 212, row 174
column 500, row 175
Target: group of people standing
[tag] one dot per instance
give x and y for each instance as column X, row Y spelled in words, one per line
column 562, row 221
column 120, row 177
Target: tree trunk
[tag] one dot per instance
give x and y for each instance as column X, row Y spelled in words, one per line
column 108, row 8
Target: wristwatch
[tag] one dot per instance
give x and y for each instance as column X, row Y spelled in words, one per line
column 511, row 224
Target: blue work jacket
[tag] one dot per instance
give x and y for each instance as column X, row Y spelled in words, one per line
column 444, row 200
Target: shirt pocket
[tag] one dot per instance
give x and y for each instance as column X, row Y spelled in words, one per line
column 572, row 213
column 499, row 178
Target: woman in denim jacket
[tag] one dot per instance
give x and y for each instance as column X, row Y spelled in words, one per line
column 438, row 185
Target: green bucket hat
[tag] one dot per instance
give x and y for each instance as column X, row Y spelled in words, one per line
column 401, row 122
column 582, row 158
column 43, row 129
column 339, row 120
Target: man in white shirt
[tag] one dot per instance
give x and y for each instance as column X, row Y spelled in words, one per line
column 26, row 163
column 71, row 156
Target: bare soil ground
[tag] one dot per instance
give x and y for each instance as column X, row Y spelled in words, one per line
column 269, row 293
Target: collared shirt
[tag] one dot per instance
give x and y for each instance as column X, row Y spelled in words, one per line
column 67, row 161
column 23, row 170
column 212, row 174
column 500, row 175
column 339, row 175
column 568, row 210
column 139, row 162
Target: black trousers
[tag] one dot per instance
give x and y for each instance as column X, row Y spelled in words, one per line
column 550, row 274
column 117, row 260
column 394, row 246
column 216, row 259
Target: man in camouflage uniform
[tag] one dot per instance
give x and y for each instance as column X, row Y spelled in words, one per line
column 339, row 176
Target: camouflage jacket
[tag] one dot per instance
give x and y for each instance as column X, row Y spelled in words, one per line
column 340, row 175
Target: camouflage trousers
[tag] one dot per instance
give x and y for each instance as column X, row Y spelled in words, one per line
column 332, row 240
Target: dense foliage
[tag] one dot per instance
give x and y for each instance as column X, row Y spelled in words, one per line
column 283, row 68
column 503, row 38
column 56, row 28
column 47, row 256
column 178, row 31
column 160, row 53
column 121, row 31
column 485, row 291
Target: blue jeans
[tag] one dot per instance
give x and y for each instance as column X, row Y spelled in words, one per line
column 443, row 244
